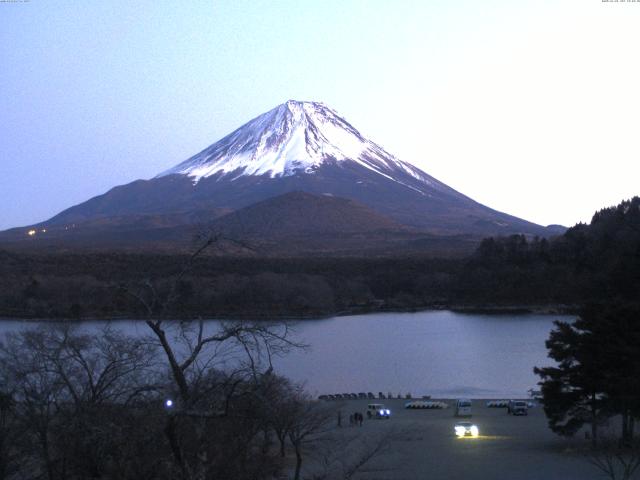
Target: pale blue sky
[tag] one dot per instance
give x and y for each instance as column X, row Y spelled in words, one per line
column 527, row 106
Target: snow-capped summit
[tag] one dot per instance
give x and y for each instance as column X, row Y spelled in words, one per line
column 294, row 138
column 295, row 147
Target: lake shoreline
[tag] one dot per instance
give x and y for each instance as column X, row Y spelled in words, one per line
column 550, row 309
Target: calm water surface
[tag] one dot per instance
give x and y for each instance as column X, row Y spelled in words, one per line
column 439, row 353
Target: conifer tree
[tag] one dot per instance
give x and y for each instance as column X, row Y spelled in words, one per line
column 597, row 373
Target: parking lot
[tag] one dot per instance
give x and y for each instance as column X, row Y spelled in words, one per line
column 424, row 446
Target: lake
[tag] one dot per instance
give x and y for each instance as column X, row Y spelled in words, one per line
column 437, row 353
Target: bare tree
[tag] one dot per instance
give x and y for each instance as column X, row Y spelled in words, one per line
column 615, row 459
column 189, row 348
column 64, row 383
column 344, row 456
column 309, row 420
column 91, row 403
column 209, row 363
column 9, row 435
column 37, row 391
column 103, row 368
column 276, row 395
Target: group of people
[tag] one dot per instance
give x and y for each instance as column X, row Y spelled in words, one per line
column 356, row 419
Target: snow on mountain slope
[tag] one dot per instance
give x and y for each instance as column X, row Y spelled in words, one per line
column 296, row 147
column 295, row 138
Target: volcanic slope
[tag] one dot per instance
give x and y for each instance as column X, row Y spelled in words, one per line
column 295, row 147
column 300, row 223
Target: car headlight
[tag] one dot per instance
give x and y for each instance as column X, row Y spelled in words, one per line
column 388, row 412
column 474, row 431
column 381, row 412
column 460, row 431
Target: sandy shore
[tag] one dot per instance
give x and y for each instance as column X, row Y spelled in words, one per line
column 424, row 445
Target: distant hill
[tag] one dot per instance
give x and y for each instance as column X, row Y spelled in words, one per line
column 301, row 213
column 298, row 223
column 292, row 224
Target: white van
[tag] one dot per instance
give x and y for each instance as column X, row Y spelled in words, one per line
column 463, row 407
column 378, row 410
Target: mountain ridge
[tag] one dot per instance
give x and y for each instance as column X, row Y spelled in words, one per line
column 297, row 146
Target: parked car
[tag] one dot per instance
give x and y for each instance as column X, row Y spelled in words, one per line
column 378, row 410
column 517, row 407
column 463, row 407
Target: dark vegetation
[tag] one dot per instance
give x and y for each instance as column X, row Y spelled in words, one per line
column 79, row 406
column 185, row 401
column 597, row 372
column 78, row 286
column 595, row 262
column 600, row 261
column 596, row 383
column 596, row 378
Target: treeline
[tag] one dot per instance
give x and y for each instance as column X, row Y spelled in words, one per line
column 182, row 403
column 595, row 378
column 595, row 262
column 588, row 262
column 100, row 285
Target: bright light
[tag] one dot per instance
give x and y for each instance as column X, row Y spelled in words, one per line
column 466, row 431
column 388, row 412
column 31, row 233
column 168, row 403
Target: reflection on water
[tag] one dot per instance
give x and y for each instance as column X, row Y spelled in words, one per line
column 438, row 353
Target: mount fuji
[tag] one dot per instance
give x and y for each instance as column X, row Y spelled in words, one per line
column 295, row 147
column 295, row 138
